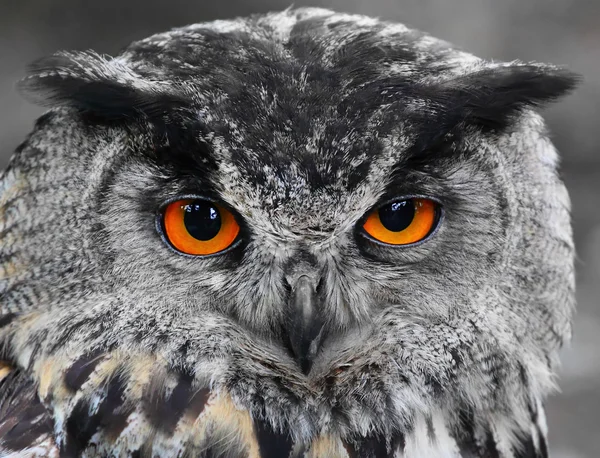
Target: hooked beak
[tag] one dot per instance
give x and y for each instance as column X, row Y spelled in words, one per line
column 304, row 324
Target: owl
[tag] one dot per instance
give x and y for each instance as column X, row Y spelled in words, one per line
column 297, row 234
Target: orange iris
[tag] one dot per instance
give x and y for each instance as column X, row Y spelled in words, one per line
column 199, row 227
column 402, row 222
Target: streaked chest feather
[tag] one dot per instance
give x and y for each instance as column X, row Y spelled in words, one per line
column 107, row 405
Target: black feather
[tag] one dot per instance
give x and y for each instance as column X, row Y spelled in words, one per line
column 23, row 418
column 491, row 98
column 95, row 85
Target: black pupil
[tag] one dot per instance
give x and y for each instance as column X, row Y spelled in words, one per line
column 397, row 216
column 202, row 219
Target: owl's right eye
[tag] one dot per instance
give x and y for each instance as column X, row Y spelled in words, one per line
column 402, row 222
column 199, row 227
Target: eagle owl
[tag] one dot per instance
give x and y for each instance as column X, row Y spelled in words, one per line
column 299, row 234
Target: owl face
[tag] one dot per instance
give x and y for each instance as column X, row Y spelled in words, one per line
column 340, row 221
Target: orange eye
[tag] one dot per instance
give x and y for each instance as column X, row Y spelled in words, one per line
column 402, row 222
column 199, row 227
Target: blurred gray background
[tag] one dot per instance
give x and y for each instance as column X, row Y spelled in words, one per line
column 565, row 32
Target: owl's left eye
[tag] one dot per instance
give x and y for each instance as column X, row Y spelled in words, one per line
column 199, row 227
column 402, row 222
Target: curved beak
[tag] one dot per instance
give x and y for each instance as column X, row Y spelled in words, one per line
column 304, row 325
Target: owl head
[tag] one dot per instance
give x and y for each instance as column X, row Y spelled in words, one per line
column 349, row 226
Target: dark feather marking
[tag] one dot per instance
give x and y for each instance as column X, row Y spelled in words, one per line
column 489, row 447
column 110, row 416
column 430, row 429
column 81, row 369
column 197, row 402
column 6, row 319
column 526, row 449
column 465, row 435
column 543, row 446
column 350, row 450
column 23, row 418
column 456, row 357
column 398, row 443
column 177, row 148
column 272, row 444
column 118, row 422
column 28, row 427
column 164, row 412
column 368, row 447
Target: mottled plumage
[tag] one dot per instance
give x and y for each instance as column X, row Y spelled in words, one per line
column 300, row 122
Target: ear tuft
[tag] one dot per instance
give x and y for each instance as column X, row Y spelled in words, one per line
column 91, row 83
column 491, row 98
